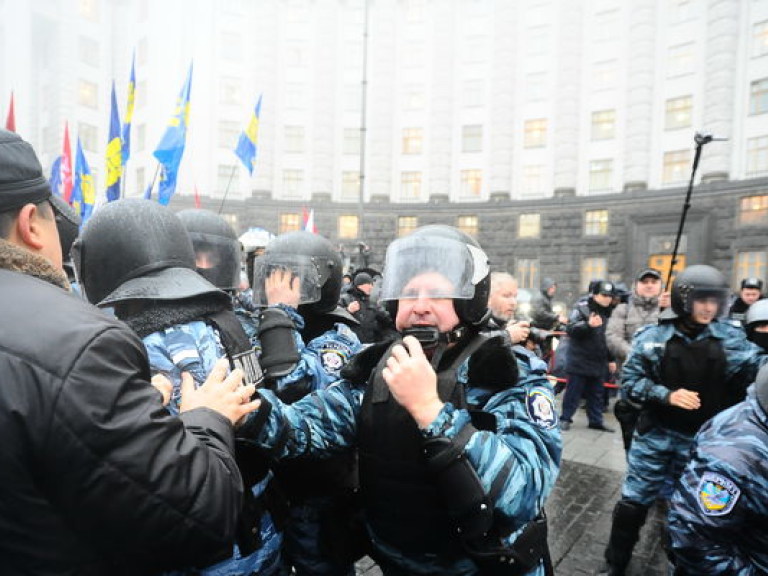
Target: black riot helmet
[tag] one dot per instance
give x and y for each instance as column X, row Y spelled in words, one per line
column 447, row 251
column 696, row 282
column 315, row 263
column 217, row 249
column 757, row 315
column 137, row 250
column 68, row 224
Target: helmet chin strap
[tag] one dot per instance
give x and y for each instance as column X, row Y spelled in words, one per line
column 433, row 341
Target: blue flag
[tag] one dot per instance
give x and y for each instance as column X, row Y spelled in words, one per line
column 55, row 180
column 83, row 193
column 248, row 144
column 129, row 113
column 171, row 148
column 114, row 152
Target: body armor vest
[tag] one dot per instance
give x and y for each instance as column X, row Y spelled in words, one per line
column 400, row 498
column 698, row 366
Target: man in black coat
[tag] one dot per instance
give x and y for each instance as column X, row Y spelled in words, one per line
column 95, row 476
column 589, row 359
column 375, row 323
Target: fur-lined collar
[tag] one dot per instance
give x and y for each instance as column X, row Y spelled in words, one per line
column 18, row 259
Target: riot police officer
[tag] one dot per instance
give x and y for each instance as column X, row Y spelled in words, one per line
column 682, row 371
column 457, row 457
column 718, row 518
column 756, row 323
column 306, row 339
column 137, row 256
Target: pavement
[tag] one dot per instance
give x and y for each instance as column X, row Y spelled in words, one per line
column 580, row 506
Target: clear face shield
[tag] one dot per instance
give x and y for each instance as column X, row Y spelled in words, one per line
column 303, row 270
column 432, row 267
column 217, row 259
column 718, row 295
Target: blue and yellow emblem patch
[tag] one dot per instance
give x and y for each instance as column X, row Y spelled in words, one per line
column 717, row 494
column 541, row 408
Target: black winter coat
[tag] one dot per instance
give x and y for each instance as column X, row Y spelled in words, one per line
column 588, row 352
column 95, row 476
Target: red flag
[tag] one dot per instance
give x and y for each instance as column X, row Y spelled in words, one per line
column 10, row 121
column 304, row 217
column 197, row 198
column 66, row 167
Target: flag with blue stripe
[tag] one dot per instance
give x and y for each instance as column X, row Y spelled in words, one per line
column 247, row 145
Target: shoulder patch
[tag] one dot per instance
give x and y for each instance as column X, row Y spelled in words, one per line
column 541, row 407
column 717, row 494
column 334, row 355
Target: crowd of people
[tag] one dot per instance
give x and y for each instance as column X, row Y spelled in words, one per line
column 171, row 405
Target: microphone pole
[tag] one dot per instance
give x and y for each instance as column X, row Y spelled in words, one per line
column 700, row 139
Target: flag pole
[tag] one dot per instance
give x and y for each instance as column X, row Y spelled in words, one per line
column 226, row 190
column 154, row 178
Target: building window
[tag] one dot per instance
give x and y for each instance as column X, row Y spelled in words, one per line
column 471, row 183
column 676, row 165
column 680, row 10
column 141, row 51
column 348, row 226
column 758, row 96
column 680, row 60
column 295, row 56
column 141, row 94
column 678, row 113
column 141, row 180
column 468, row 225
column 87, row 94
column 600, row 174
column 533, row 179
column 527, row 273
column 535, row 133
column 294, row 96
column 606, row 26
column 596, row 223
column 749, row 265
column 536, row 87
column 593, row 269
column 406, row 225
column 410, row 185
column 412, row 139
column 289, row 222
column 760, row 38
column 230, row 92
column 604, row 75
column 350, row 185
column 472, row 138
column 88, row 51
column 474, row 93
column 757, row 156
column 89, row 9
column 413, row 97
column 603, row 124
column 352, row 98
column 538, row 41
column 141, row 137
column 351, row 145
column 293, row 139
column 529, row 226
column 753, row 210
column 227, row 178
column 229, row 133
column 89, row 136
column 293, row 182
column 231, row 46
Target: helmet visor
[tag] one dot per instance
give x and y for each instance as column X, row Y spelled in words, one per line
column 720, row 295
column 217, row 259
column 302, row 268
column 432, row 267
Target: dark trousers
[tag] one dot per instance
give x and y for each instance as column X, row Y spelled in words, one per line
column 592, row 388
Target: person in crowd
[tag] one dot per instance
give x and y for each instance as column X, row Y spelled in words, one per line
column 750, row 292
column 682, row 371
column 305, row 340
column 542, row 314
column 502, row 303
column 185, row 323
column 642, row 308
column 90, row 473
column 375, row 324
column 718, row 517
column 756, row 324
column 589, row 360
column 456, row 457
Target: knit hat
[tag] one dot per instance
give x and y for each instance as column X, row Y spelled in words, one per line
column 363, row 278
column 21, row 176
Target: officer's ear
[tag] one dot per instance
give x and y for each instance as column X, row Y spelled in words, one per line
column 35, row 229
